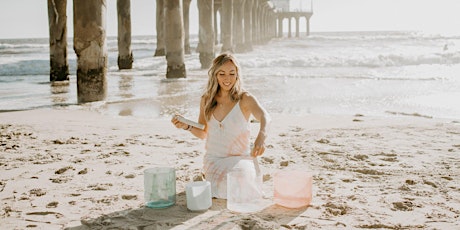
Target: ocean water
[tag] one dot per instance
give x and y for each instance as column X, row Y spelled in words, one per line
column 337, row 73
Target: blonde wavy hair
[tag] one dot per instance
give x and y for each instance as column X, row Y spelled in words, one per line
column 213, row 87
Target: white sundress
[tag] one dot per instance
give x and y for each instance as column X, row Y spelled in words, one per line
column 227, row 148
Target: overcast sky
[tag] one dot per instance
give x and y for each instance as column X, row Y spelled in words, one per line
column 29, row 18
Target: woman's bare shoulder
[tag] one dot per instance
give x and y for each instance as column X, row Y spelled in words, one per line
column 247, row 99
column 246, row 95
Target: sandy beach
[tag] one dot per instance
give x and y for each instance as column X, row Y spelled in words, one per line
column 75, row 169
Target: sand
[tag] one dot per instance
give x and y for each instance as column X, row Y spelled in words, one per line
column 75, row 169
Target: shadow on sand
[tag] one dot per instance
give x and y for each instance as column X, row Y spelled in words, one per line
column 179, row 217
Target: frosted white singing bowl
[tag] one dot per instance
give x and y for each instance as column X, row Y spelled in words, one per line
column 198, row 194
column 244, row 191
column 293, row 189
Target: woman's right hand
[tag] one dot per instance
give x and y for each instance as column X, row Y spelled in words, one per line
column 178, row 123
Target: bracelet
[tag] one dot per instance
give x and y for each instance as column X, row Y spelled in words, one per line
column 189, row 128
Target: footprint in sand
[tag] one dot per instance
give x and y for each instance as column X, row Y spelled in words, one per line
column 361, row 157
column 37, row 192
column 266, row 177
column 323, row 141
column 390, row 159
column 60, row 180
column 430, row 183
column 284, row 163
column 130, row 176
column 52, row 204
column 2, row 185
column 56, row 214
column 100, row 187
column 336, row 209
column 129, row 197
column 296, row 129
column 254, row 222
column 63, row 170
column 267, row 160
column 403, row 206
column 369, row 172
column 83, row 171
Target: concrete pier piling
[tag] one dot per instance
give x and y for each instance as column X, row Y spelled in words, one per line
column 57, row 18
column 238, row 34
column 125, row 55
column 186, row 17
column 91, row 49
column 174, row 37
column 227, row 25
column 206, row 32
column 248, row 25
column 160, row 28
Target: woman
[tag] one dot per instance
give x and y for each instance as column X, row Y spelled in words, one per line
column 225, row 110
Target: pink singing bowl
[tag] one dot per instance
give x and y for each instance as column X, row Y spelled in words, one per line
column 292, row 188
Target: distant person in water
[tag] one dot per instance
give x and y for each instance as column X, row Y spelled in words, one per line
column 225, row 111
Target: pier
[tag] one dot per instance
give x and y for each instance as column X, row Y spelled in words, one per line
column 243, row 24
column 281, row 16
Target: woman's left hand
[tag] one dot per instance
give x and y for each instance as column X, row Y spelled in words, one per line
column 259, row 146
column 258, row 150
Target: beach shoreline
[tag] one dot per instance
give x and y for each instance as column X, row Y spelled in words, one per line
column 324, row 73
column 79, row 169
